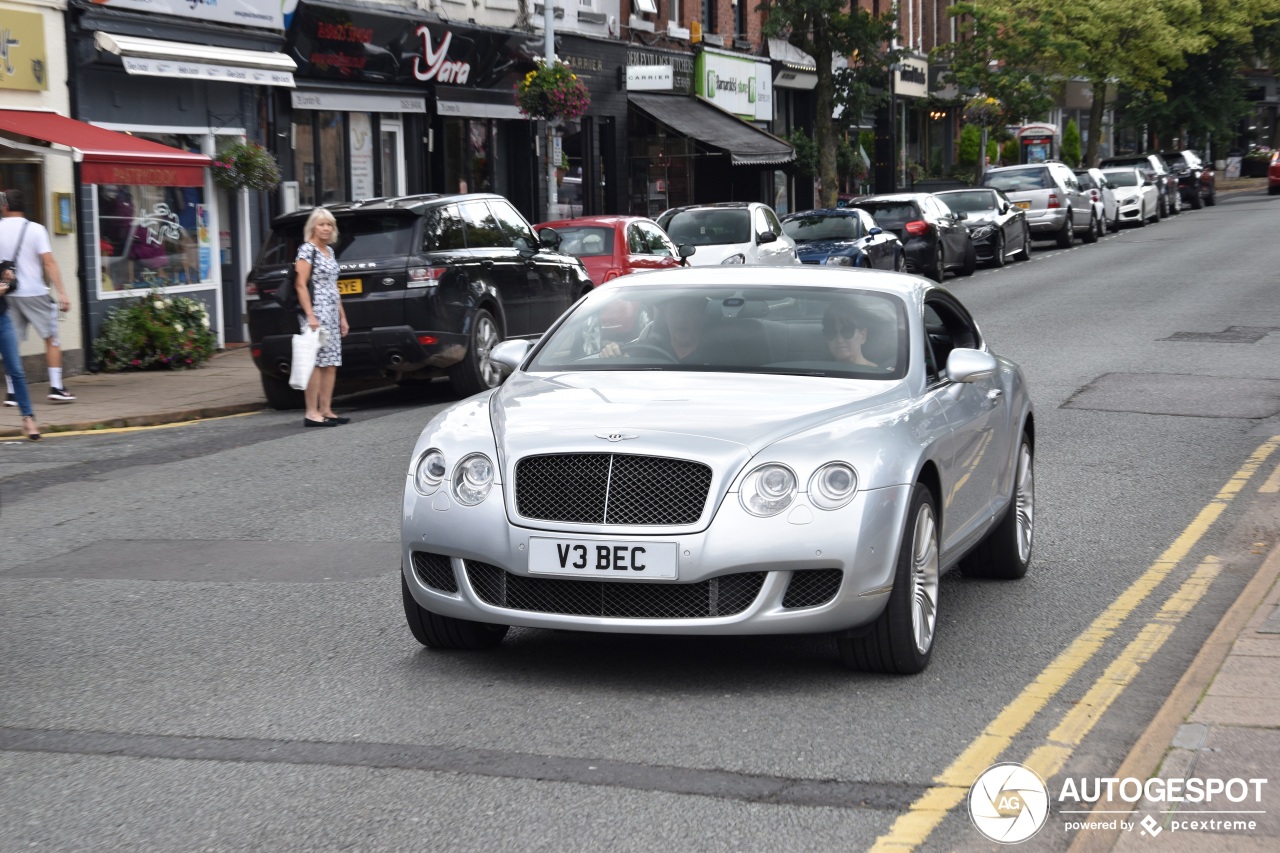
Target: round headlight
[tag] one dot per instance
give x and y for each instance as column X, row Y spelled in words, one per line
column 734, row 259
column 430, row 472
column 472, row 479
column 768, row 490
column 833, row 485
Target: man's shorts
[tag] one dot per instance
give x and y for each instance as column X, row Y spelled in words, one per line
column 38, row 311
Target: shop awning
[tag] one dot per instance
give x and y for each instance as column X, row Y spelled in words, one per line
column 746, row 144
column 157, row 58
column 108, row 157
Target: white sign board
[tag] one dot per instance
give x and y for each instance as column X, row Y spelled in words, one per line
column 245, row 13
column 736, row 84
column 650, row 78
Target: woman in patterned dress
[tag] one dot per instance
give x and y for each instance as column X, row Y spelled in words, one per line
column 321, row 308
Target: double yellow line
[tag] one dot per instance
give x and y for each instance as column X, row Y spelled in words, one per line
column 950, row 787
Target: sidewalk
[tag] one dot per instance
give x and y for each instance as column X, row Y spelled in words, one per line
column 1221, row 721
column 227, row 384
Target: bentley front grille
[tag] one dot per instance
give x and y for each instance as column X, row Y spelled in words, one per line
column 722, row 596
column 611, row 488
column 812, row 588
column 435, row 571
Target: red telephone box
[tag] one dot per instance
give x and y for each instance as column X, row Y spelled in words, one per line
column 1037, row 143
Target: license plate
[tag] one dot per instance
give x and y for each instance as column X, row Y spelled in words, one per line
column 1025, row 205
column 582, row 558
column 348, row 286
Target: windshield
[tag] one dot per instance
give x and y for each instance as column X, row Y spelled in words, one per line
column 804, row 229
column 1019, row 180
column 583, row 242
column 969, row 201
column 890, row 213
column 710, row 227
column 1122, row 177
column 812, row 331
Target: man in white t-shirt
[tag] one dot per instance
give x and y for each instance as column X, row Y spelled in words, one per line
column 27, row 244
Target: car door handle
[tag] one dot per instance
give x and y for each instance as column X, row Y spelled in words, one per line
column 994, row 396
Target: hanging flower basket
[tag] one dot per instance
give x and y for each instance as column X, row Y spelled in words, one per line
column 246, row 165
column 552, row 91
column 983, row 110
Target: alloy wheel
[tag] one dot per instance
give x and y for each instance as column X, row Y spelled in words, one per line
column 1025, row 503
column 486, row 338
column 924, row 579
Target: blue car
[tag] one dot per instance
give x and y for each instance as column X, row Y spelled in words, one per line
column 847, row 237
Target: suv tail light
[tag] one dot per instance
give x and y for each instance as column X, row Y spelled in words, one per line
column 250, row 289
column 1053, row 201
column 425, row 276
column 917, row 227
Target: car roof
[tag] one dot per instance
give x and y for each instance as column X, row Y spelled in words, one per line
column 891, row 197
column 711, row 206
column 908, row 287
column 414, row 204
column 581, row 221
column 967, row 190
column 823, row 211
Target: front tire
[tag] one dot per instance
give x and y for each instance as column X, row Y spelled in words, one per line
column 997, row 257
column 939, row 271
column 444, row 632
column 1091, row 236
column 901, row 639
column 280, row 395
column 1005, row 552
column 970, row 259
column 477, row 372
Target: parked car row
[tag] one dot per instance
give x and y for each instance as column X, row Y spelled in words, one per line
column 431, row 283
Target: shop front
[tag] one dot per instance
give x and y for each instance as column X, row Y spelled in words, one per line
column 177, row 83
column 911, row 120
column 702, row 144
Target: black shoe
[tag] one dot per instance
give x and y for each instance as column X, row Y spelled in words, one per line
column 61, row 395
column 337, row 420
column 307, row 422
column 10, row 400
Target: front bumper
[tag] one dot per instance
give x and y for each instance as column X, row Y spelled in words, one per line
column 860, row 541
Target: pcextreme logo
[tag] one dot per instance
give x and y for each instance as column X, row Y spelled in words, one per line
column 1008, row 803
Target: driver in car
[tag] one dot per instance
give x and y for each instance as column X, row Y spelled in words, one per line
column 685, row 318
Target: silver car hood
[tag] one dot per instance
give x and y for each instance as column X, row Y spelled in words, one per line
column 707, row 416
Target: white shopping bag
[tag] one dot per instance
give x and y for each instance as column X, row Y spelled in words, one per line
column 305, row 348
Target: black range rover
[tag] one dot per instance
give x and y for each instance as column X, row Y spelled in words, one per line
column 429, row 283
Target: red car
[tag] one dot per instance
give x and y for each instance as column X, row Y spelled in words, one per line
column 611, row 246
column 1273, row 173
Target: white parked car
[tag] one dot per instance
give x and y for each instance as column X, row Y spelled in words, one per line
column 1099, row 189
column 1137, row 196
column 733, row 232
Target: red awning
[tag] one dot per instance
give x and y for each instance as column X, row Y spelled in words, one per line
column 110, row 157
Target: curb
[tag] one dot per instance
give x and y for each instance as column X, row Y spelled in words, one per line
column 1152, row 745
column 154, row 419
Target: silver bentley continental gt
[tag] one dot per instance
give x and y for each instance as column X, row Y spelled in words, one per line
column 742, row 450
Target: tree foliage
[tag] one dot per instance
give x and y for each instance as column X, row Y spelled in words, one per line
column 825, row 29
column 970, row 145
column 1071, row 144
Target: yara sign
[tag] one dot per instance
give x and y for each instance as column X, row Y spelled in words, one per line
column 439, row 68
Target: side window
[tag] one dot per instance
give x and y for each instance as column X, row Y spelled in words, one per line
column 934, row 330
column 483, row 231
column 656, row 242
column 442, row 230
column 948, row 326
column 759, row 221
column 774, row 225
column 636, row 244
column 512, row 223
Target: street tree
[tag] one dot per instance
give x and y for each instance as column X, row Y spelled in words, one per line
column 827, row 29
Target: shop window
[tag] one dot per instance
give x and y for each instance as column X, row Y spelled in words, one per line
column 151, row 237
column 28, row 178
column 304, row 157
column 332, row 156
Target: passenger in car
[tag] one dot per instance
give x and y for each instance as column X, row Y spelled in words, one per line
column 846, row 335
column 677, row 331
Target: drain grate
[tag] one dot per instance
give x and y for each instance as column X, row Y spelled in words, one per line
column 1229, row 335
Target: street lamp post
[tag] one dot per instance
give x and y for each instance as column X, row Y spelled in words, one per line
column 549, row 33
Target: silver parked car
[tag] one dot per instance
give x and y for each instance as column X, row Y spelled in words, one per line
column 1050, row 194
column 763, row 451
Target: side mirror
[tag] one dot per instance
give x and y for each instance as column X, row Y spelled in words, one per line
column 967, row 365
column 874, row 230
column 549, row 238
column 508, row 355
column 961, row 215
column 686, row 251
column 766, row 237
